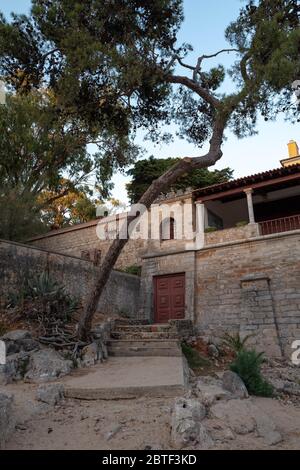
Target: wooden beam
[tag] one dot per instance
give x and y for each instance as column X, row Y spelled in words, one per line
column 241, row 189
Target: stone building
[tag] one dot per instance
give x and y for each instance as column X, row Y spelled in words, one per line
column 232, row 265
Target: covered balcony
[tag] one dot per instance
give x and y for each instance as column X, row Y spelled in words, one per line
column 259, row 205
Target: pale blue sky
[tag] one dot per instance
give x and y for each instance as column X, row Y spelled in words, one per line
column 204, row 25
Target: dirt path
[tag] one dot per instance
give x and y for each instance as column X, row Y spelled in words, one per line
column 124, row 424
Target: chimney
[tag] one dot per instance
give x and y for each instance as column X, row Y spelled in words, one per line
column 293, row 149
column 294, row 156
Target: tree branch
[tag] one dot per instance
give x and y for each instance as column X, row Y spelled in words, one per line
column 194, row 86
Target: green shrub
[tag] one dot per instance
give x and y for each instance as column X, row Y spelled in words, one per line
column 235, row 342
column 247, row 365
column 210, row 229
column 193, row 357
column 241, row 223
column 136, row 270
column 43, row 299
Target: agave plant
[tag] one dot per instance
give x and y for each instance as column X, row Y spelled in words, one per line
column 235, row 342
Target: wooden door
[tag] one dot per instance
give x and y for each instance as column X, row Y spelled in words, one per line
column 169, row 297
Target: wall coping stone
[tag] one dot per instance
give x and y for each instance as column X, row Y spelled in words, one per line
column 224, row 244
column 64, row 255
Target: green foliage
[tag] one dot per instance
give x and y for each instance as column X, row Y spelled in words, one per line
column 194, row 359
column 136, row 270
column 35, row 151
column 247, row 365
column 42, row 298
column 210, row 229
column 103, row 62
column 268, row 35
column 145, row 171
column 235, row 342
column 241, row 223
column 19, row 220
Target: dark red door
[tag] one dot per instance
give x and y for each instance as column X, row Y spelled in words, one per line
column 169, row 297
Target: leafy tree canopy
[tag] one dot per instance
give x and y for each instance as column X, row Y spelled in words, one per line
column 75, row 207
column 145, row 172
column 101, row 60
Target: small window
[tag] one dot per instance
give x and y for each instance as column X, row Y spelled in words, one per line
column 167, row 229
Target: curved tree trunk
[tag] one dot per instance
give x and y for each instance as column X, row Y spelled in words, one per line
column 182, row 167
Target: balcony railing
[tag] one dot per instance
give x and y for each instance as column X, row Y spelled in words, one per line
column 284, row 224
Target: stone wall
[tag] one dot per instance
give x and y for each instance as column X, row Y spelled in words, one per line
column 231, row 234
column 252, row 287
column 82, row 238
column 18, row 261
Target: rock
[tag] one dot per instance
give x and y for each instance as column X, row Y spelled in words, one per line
column 234, row 384
column 113, row 432
column 15, row 368
column 91, row 354
column 3, row 376
column 102, row 331
column 51, row 394
column 213, row 351
column 46, row 365
column 266, row 428
column 19, row 340
column 7, row 420
column 29, row 344
column 16, row 335
column 186, row 418
column 219, row 430
column 211, row 391
column 291, row 388
column 204, row 439
column 104, row 350
column 237, row 414
column 12, row 347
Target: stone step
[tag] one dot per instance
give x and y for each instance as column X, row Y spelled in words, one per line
column 144, row 348
column 117, row 334
column 125, row 393
column 128, row 377
column 145, row 328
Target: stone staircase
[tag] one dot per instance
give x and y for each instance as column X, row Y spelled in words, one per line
column 144, row 340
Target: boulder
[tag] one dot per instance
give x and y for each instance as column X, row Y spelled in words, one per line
column 239, row 415
column 7, row 420
column 16, row 335
column 213, row 351
column 210, row 390
column 15, row 368
column 51, row 394
column 219, row 431
column 19, row 340
column 91, row 354
column 234, row 384
column 266, row 429
column 186, row 420
column 46, row 365
column 29, row 344
column 205, row 440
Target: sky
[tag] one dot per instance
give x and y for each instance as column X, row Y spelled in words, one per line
column 203, row 27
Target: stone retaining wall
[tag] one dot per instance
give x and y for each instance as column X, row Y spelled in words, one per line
column 252, row 287
column 18, row 261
